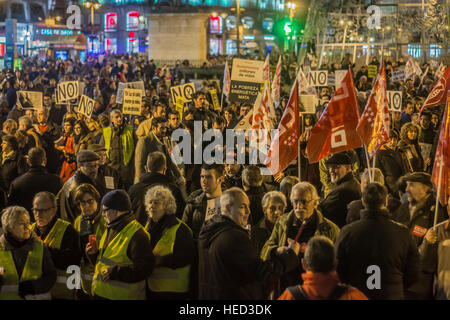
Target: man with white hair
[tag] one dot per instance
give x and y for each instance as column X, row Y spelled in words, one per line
column 229, row 267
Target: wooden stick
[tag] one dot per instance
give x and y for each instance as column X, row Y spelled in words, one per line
column 438, row 192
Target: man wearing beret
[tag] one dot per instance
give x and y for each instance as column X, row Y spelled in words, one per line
column 418, row 215
column 123, row 256
column 345, row 189
column 87, row 172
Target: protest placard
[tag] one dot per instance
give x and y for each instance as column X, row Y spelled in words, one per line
column 308, row 103
column 132, row 85
column 215, row 99
column 185, row 90
column 30, row 99
column 318, row 78
column 246, row 79
column 132, row 99
column 86, row 106
column 66, row 91
column 394, row 100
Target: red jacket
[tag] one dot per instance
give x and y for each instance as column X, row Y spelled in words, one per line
column 318, row 286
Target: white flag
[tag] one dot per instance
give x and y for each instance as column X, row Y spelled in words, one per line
column 226, row 80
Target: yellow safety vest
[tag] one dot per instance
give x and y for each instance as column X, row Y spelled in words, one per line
column 86, row 268
column 53, row 240
column 116, row 254
column 127, row 142
column 31, row 271
column 165, row 279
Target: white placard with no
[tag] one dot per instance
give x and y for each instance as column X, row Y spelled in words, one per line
column 394, row 100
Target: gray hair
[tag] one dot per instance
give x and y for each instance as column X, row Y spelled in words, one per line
column 165, row 195
column 275, row 196
column 376, row 173
column 287, row 183
column 320, row 255
column 251, row 176
column 44, row 109
column 27, row 121
column 11, row 216
column 229, row 197
column 114, row 111
column 47, row 195
column 304, row 186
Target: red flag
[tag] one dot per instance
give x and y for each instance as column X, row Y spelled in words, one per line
column 438, row 95
column 373, row 127
column 276, row 84
column 336, row 129
column 226, row 80
column 283, row 148
column 443, row 159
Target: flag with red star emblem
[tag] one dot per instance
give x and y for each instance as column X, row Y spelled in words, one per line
column 283, row 148
column 442, row 159
column 373, row 127
column 336, row 129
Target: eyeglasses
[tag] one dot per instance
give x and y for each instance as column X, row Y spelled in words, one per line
column 302, row 201
column 36, row 210
column 89, row 202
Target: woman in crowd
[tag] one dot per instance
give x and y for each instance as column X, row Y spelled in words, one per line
column 27, row 267
column 409, row 148
column 173, row 247
column 90, row 225
column 67, row 145
column 82, row 137
column 13, row 162
column 274, row 204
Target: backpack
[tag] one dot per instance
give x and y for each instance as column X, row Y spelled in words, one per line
column 339, row 290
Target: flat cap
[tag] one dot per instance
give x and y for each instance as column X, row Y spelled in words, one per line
column 422, row 177
column 96, row 147
column 87, row 156
column 339, row 158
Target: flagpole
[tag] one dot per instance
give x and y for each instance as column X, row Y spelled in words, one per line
column 368, row 163
column 438, row 192
column 221, row 101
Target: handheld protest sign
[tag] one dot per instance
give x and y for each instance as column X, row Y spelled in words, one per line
column 394, row 100
column 318, row 78
column 180, row 107
column 30, row 99
column 215, row 99
column 185, row 90
column 246, row 79
column 86, row 106
column 131, row 85
column 66, row 91
column 132, row 101
column 308, row 103
column 372, row 71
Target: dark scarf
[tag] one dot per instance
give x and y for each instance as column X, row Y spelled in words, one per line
column 14, row 242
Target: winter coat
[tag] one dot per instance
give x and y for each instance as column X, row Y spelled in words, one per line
column 354, row 209
column 334, row 206
column 229, row 268
column 20, row 255
column 24, row 188
column 260, row 234
column 137, row 194
column 183, row 254
column 48, row 139
column 391, row 165
column 14, row 166
column 68, row 210
column 368, row 242
column 436, row 260
column 194, row 213
column 255, row 195
column 146, row 146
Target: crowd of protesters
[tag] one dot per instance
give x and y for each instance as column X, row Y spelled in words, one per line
column 104, row 193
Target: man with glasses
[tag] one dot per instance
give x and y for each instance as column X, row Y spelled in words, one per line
column 345, row 189
column 87, row 172
column 61, row 239
column 293, row 230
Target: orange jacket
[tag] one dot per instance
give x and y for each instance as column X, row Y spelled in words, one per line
column 318, row 286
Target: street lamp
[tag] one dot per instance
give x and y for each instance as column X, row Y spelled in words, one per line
column 93, row 4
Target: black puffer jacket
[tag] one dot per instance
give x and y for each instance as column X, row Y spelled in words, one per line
column 194, row 213
column 368, row 242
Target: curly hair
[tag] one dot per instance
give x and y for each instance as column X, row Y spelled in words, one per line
column 165, row 195
column 404, row 131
